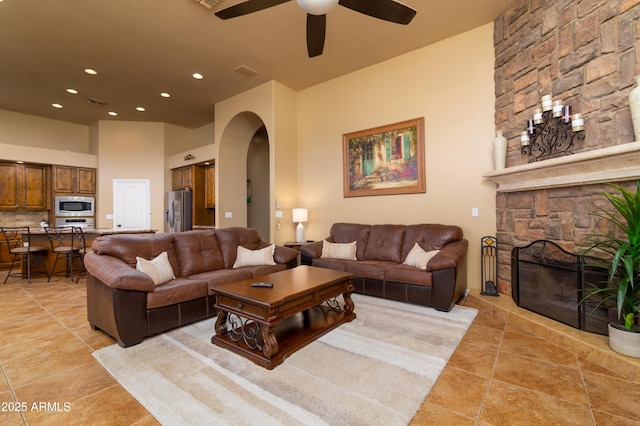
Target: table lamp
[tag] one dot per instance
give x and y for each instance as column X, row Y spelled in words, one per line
column 300, row 215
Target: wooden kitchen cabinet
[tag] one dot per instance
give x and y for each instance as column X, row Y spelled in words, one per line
column 74, row 180
column 24, row 186
column 210, row 187
column 182, row 177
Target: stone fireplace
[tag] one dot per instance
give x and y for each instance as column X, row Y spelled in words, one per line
column 585, row 54
column 555, row 200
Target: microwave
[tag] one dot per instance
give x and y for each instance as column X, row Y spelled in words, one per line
column 75, row 206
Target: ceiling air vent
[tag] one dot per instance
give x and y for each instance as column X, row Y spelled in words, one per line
column 207, row 3
column 95, row 101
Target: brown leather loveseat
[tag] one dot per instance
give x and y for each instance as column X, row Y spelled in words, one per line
column 379, row 261
column 128, row 305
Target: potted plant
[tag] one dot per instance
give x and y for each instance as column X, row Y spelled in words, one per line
column 619, row 252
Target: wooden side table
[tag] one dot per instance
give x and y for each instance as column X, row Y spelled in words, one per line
column 297, row 244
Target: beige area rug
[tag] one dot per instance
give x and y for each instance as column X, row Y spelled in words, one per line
column 375, row 370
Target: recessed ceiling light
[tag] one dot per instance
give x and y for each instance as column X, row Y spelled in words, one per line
column 90, row 71
column 198, row 76
column 72, row 91
column 113, row 113
column 141, row 109
column 165, row 95
column 56, row 106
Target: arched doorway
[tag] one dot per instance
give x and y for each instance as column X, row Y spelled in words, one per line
column 243, row 158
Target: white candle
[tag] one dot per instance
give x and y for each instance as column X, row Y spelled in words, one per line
column 577, row 122
column 537, row 116
column 524, row 138
column 547, row 103
column 557, row 108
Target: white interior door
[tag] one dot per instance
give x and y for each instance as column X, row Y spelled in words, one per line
column 131, row 204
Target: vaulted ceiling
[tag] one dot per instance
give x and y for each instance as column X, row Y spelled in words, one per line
column 141, row 48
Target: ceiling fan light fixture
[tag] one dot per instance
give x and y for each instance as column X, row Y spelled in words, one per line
column 317, row 7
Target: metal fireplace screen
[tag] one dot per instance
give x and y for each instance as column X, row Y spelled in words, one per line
column 548, row 280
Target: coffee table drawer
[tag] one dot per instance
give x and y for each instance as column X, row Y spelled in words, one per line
column 232, row 305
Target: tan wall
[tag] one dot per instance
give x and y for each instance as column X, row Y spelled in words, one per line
column 237, row 120
column 38, row 132
column 130, row 150
column 450, row 84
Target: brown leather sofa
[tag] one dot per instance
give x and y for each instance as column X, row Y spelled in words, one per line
column 126, row 304
column 381, row 251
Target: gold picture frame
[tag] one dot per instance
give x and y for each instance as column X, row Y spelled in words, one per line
column 385, row 160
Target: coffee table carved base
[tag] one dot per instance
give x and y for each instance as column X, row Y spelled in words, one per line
column 268, row 334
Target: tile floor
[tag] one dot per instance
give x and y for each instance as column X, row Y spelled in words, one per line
column 501, row 374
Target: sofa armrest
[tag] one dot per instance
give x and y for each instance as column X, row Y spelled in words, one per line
column 115, row 273
column 450, row 256
column 312, row 250
column 284, row 254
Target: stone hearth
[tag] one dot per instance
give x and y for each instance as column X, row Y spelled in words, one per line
column 593, row 347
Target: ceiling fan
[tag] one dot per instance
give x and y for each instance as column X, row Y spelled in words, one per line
column 387, row 10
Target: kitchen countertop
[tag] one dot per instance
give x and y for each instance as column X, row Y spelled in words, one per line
column 102, row 231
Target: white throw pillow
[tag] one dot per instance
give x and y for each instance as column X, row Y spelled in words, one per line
column 345, row 251
column 159, row 268
column 246, row 257
column 418, row 258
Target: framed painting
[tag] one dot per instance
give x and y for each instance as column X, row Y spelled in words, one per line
column 385, row 160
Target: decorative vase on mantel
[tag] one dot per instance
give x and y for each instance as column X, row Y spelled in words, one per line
column 634, row 106
column 500, row 150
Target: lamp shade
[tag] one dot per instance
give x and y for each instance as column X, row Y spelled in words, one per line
column 317, row 7
column 300, row 215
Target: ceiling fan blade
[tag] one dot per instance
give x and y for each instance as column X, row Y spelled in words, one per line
column 316, row 30
column 387, row 10
column 247, row 7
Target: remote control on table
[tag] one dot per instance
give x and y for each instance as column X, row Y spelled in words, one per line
column 262, row 284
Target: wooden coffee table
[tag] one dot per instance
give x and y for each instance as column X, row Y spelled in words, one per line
column 266, row 325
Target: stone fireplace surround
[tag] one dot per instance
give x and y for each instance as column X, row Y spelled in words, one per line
column 554, row 199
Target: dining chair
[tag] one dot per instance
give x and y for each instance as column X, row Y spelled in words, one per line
column 63, row 244
column 81, row 243
column 18, row 239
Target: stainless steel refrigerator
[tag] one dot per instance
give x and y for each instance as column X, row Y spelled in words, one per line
column 179, row 213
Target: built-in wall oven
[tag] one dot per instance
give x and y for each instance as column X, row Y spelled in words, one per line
column 75, row 211
column 82, row 222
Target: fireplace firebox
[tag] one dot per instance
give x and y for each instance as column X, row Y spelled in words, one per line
column 550, row 281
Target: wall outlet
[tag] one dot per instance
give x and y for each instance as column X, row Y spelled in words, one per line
column 228, row 215
column 474, row 212
column 278, row 213
column 109, row 216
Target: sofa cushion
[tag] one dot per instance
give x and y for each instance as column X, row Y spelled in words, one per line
column 368, row 268
column 385, row 243
column 349, row 232
column 429, row 236
column 418, row 258
column 127, row 247
column 259, row 270
column 335, row 264
column 230, row 238
column 246, row 257
column 408, row 274
column 176, row 291
column 197, row 251
column 345, row 251
column 158, row 268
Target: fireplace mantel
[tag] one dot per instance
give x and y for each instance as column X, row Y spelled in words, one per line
column 611, row 164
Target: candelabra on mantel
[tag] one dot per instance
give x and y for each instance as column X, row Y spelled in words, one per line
column 552, row 132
